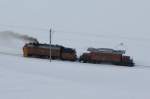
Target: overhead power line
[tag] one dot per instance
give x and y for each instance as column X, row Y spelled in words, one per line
column 110, row 36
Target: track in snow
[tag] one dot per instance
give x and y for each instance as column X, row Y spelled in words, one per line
column 10, row 54
column 20, row 55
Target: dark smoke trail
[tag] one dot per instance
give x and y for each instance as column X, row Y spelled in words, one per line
column 10, row 35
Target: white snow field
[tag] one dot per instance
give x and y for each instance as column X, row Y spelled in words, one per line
column 31, row 78
column 78, row 24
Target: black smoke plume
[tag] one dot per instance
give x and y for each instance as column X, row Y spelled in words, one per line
column 13, row 35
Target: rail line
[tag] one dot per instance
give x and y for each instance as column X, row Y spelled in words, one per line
column 10, row 54
column 141, row 66
column 20, row 55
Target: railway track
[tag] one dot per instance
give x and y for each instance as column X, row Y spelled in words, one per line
column 20, row 55
column 10, row 54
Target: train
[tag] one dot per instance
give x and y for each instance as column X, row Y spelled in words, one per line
column 106, row 55
column 43, row 51
column 94, row 55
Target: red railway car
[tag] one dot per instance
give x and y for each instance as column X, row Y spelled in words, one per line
column 105, row 55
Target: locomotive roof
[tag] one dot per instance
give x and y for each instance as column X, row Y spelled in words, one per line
column 43, row 45
column 47, row 46
column 106, row 50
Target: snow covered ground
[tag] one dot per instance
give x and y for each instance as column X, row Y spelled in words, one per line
column 26, row 78
column 31, row 78
column 78, row 24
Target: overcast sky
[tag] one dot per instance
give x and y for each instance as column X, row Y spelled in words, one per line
column 103, row 16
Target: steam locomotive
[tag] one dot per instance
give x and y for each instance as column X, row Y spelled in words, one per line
column 99, row 55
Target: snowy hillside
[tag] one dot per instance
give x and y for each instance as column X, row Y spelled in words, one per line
column 32, row 78
column 23, row 78
column 78, row 24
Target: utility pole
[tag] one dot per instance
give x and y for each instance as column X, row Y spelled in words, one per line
column 50, row 42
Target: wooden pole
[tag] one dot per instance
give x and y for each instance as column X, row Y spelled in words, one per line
column 50, row 50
